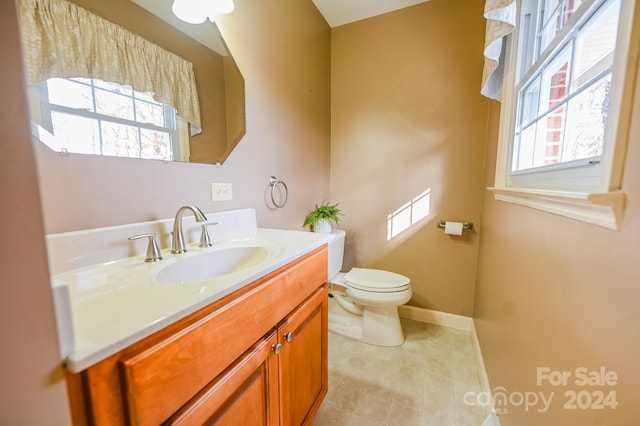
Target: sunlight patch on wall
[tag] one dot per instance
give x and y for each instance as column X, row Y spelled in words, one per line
column 409, row 214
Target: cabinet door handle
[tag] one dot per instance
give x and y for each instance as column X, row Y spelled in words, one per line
column 288, row 336
column 276, row 348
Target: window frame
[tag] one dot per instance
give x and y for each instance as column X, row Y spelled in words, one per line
column 560, row 189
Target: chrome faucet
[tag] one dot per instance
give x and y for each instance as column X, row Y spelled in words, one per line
column 177, row 245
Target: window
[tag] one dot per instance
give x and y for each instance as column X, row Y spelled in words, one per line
column 90, row 116
column 562, row 105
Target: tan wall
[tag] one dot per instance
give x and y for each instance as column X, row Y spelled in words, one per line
column 559, row 293
column 407, row 116
column 32, row 390
column 285, row 63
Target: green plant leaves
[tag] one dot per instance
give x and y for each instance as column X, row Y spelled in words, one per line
column 326, row 211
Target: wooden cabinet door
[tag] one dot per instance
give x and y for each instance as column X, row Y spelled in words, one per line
column 245, row 394
column 303, row 360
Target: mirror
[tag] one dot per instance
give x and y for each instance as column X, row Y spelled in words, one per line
column 220, row 84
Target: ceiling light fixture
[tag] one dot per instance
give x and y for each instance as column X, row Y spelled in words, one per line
column 197, row 11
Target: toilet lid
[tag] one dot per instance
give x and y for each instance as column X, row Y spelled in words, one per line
column 376, row 280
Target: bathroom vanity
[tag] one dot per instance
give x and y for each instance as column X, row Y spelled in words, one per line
column 253, row 355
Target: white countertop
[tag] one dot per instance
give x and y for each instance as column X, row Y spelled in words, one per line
column 118, row 303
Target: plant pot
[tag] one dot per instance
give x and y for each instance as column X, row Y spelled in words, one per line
column 322, row 226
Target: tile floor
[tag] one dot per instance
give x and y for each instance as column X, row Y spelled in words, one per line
column 419, row 383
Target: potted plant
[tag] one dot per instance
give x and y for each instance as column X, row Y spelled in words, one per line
column 324, row 215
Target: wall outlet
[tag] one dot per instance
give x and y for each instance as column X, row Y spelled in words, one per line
column 221, row 192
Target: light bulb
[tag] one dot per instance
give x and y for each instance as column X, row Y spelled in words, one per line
column 191, row 11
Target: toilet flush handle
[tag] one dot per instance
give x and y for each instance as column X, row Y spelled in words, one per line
column 288, row 336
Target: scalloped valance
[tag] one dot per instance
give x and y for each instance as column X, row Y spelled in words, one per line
column 501, row 21
column 61, row 39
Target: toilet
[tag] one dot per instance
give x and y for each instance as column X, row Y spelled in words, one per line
column 363, row 303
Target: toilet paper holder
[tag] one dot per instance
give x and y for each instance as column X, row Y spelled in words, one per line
column 466, row 226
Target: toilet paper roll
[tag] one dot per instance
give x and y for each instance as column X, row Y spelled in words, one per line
column 453, row 228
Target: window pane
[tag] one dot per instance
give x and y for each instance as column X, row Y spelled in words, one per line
column 75, row 133
column 523, row 156
column 530, row 102
column 555, row 80
column 120, row 140
column 586, row 121
column 150, row 113
column 114, row 105
column 541, row 143
column 528, row 35
column 155, row 145
column 145, row 97
column 70, row 94
column 551, row 22
column 549, row 142
column 595, row 44
column 556, row 14
column 114, row 87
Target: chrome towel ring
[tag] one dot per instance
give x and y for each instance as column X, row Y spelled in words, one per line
column 274, row 182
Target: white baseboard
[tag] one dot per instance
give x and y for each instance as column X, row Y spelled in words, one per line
column 445, row 319
column 484, row 379
column 458, row 322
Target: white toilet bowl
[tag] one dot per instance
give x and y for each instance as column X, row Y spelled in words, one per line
column 363, row 303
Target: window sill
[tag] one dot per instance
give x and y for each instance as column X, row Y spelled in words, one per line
column 602, row 209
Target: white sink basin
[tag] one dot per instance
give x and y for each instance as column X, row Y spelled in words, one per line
column 213, row 264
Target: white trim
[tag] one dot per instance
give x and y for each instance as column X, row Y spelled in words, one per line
column 484, row 377
column 602, row 209
column 459, row 322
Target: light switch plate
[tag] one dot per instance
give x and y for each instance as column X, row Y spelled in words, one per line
column 221, row 192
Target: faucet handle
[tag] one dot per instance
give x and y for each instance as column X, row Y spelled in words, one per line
column 204, row 236
column 153, row 251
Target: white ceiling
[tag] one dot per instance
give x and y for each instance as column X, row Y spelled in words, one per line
column 340, row 12
column 206, row 33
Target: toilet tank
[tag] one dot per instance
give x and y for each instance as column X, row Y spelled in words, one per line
column 336, row 253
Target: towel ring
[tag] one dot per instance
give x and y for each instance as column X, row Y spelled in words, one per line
column 274, row 182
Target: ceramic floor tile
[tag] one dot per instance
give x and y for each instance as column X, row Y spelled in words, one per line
column 373, row 409
column 361, row 421
column 467, row 415
column 330, row 415
column 428, row 420
column 379, row 390
column 422, row 382
column 401, row 415
column 408, row 395
column 438, row 383
column 439, row 404
column 344, row 397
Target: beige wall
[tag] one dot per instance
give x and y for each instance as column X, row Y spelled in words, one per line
column 32, row 390
column 558, row 293
column 285, row 63
column 407, row 116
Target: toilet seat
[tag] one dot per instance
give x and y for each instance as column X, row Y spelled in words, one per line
column 375, row 281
